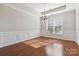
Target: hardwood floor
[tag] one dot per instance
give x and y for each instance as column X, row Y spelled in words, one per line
column 36, row 47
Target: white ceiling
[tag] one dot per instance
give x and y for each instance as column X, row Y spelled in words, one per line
column 40, row 6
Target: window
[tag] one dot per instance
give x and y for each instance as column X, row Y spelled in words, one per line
column 55, row 25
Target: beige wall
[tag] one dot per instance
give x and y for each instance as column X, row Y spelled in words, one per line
column 16, row 26
column 68, row 18
column 76, row 7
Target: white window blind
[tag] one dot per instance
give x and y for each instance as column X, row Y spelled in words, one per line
column 55, row 25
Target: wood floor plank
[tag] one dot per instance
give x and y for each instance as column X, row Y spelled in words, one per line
column 27, row 48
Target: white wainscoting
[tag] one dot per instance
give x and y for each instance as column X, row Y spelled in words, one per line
column 8, row 38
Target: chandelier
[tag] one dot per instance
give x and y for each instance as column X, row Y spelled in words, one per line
column 44, row 12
